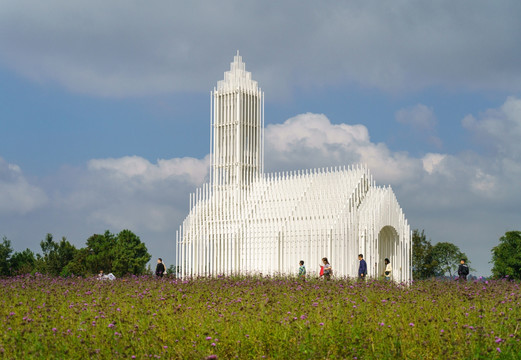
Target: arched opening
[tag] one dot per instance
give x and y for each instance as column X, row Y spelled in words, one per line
column 388, row 241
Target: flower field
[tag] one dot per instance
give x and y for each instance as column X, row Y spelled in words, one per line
column 257, row 318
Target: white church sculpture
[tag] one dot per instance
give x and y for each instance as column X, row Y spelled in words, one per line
column 247, row 222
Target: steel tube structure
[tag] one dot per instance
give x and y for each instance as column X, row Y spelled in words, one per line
column 247, row 222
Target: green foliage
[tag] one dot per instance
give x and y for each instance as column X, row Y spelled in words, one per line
column 78, row 265
column 121, row 254
column 101, row 252
column 22, row 262
column 5, row 253
column 424, row 265
column 430, row 261
column 506, row 257
column 448, row 257
column 130, row 255
column 56, row 256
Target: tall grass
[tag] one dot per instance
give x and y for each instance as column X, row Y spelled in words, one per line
column 257, row 318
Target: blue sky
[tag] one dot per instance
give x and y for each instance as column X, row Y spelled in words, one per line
column 105, row 111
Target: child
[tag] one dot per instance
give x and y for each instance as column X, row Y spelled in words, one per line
column 302, row 270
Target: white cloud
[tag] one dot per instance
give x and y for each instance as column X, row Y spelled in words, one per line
column 17, row 195
column 135, row 167
column 419, row 117
column 131, row 192
column 499, row 128
column 310, row 140
column 125, row 48
column 431, row 162
column 422, row 122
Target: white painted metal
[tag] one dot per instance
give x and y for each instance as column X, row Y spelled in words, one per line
column 245, row 221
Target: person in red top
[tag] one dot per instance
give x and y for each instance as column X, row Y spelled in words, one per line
column 328, row 271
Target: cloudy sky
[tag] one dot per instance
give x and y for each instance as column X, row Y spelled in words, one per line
column 105, row 109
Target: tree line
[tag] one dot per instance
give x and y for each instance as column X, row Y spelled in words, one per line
column 443, row 258
column 437, row 260
column 120, row 254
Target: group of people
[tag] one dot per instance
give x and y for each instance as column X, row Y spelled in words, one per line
column 160, row 271
column 102, row 276
column 326, row 270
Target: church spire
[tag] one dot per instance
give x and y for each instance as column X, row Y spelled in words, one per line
column 237, row 77
column 237, row 127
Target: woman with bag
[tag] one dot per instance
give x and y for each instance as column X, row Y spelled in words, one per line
column 328, row 271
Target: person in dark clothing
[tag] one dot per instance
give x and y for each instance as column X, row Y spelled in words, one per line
column 362, row 269
column 160, row 268
column 463, row 270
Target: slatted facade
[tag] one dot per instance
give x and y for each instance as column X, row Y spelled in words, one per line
column 246, row 221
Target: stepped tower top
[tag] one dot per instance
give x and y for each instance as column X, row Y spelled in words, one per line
column 237, row 77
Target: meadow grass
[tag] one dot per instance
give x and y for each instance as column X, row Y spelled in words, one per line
column 257, row 317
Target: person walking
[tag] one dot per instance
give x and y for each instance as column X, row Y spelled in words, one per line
column 328, row 270
column 362, row 268
column 463, row 270
column 160, row 268
column 388, row 269
column 302, row 270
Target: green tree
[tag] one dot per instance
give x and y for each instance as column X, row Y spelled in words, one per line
column 66, row 253
column 506, row 257
column 424, row 265
column 46, row 263
column 5, row 254
column 101, row 249
column 78, row 265
column 22, row 262
column 448, row 257
column 131, row 255
column 56, row 256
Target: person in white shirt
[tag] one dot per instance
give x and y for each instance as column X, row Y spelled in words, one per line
column 388, row 269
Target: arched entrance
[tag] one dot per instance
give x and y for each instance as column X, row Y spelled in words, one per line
column 388, row 241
